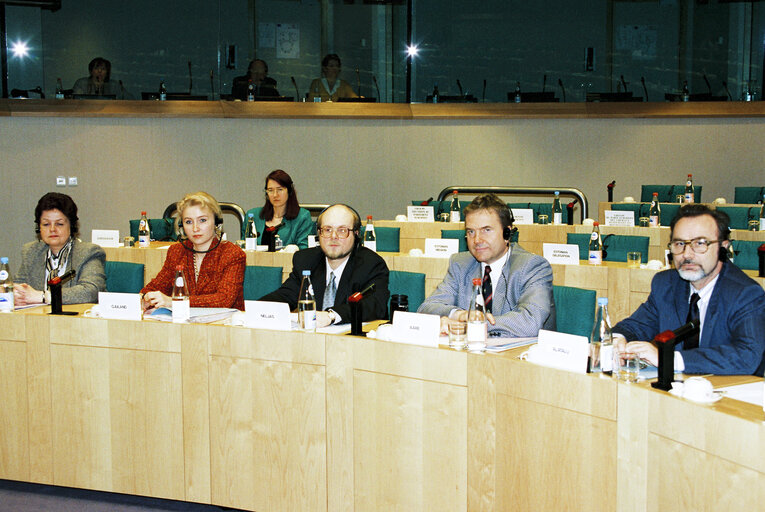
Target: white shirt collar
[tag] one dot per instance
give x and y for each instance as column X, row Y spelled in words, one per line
column 338, row 271
column 496, row 268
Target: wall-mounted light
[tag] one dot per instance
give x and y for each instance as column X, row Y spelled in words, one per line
column 20, row 49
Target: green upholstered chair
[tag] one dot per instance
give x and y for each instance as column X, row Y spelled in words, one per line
column 740, row 215
column 161, row 229
column 667, row 193
column 574, row 310
column 668, row 212
column 123, row 277
column 387, row 239
column 261, row 280
column 616, row 246
column 541, row 209
column 746, row 254
column 411, row 284
column 748, row 195
column 459, row 234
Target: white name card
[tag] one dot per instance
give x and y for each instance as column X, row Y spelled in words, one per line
column 441, row 247
column 416, row 328
column 523, row 215
column 560, row 350
column 562, row 254
column 123, row 306
column 250, row 244
column 267, row 315
column 106, row 237
column 620, row 218
column 420, row 213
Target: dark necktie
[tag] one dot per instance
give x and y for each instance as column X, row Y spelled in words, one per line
column 693, row 316
column 486, row 289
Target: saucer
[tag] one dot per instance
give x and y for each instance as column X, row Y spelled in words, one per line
column 716, row 396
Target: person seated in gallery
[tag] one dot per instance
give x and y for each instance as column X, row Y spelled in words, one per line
column 99, row 82
column 330, row 87
column 214, row 268
column 257, row 74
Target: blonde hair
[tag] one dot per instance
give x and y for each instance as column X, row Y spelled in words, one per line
column 203, row 200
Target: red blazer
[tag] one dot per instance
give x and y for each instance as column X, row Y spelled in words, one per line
column 220, row 278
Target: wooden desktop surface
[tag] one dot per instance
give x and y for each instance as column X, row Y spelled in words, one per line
column 264, row 420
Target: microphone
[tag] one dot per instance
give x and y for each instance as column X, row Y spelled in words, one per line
column 725, row 84
column 563, row 89
column 624, row 82
column 122, row 89
column 483, row 94
column 427, row 201
column 359, row 296
column 374, row 79
column 190, row 80
column 58, row 280
column 212, row 85
column 610, row 188
column 459, row 86
column 709, row 87
column 665, row 342
column 297, row 93
column 645, row 91
column 544, row 82
column 358, row 82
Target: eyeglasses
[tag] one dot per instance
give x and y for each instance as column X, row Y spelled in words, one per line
column 699, row 245
column 341, row 232
column 272, row 191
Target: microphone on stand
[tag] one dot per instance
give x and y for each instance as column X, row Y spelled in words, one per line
column 725, row 84
column 624, row 82
column 358, row 82
column 610, row 188
column 563, row 89
column 459, row 86
column 483, row 94
column 354, row 301
column 645, row 91
column 374, row 79
column 212, row 86
column 709, row 87
column 190, row 80
column 426, row 202
column 665, row 342
column 122, row 90
column 297, row 93
column 544, row 82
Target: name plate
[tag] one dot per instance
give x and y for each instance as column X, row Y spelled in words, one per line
column 620, row 218
column 441, row 247
column 562, row 254
column 122, row 306
column 523, row 215
column 560, row 350
column 420, row 214
column 250, row 244
column 267, row 315
column 416, row 328
column 106, row 237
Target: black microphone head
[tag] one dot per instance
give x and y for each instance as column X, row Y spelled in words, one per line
column 374, row 79
column 293, row 81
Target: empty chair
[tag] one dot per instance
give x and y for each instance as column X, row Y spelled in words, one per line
column 748, row 195
column 411, row 284
column 123, row 277
column 574, row 309
column 615, row 247
column 458, row 234
column 387, row 239
column 741, row 215
column 260, row 281
column 162, row 230
column 541, row 209
column 667, row 193
column 745, row 252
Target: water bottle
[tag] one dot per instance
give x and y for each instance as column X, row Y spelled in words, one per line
column 762, row 214
column 601, row 340
column 144, row 231
column 517, row 92
column 251, row 233
column 435, row 93
column 689, row 195
column 654, row 214
column 250, row 91
column 278, row 244
column 306, row 304
column 370, row 240
column 180, row 297
column 595, row 256
column 454, row 208
column 162, row 91
column 557, row 211
column 686, row 94
column 477, row 329
column 6, row 287
column 59, row 89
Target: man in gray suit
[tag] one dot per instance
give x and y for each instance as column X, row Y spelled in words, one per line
column 517, row 285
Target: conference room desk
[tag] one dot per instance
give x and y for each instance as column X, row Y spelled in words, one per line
column 265, row 420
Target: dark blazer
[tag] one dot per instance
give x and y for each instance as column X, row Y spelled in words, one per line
column 364, row 267
column 733, row 338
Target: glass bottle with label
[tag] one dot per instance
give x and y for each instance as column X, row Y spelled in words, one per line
column 370, row 240
column 162, row 91
column 250, row 91
column 306, row 304
column 654, row 214
column 517, row 97
column 6, row 287
column 59, row 89
column 477, row 330
column 251, row 233
column 762, row 214
column 278, row 244
column 557, row 210
column 144, row 231
column 180, row 297
column 596, row 246
column 454, row 208
column 689, row 195
column 686, row 94
column 601, row 340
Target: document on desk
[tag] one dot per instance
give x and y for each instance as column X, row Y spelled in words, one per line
column 501, row 344
column 752, row 392
column 198, row 315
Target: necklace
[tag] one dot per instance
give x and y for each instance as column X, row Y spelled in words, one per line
column 197, row 264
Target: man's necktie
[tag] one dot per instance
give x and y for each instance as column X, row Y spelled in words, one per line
column 330, row 292
column 693, row 316
column 488, row 293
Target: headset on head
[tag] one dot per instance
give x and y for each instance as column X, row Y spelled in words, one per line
column 181, row 233
column 356, row 222
column 509, row 230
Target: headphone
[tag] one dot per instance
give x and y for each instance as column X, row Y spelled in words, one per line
column 509, row 230
column 356, row 223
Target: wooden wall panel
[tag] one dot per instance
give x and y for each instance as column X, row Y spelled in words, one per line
column 14, row 407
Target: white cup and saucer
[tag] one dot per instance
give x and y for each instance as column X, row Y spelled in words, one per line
column 696, row 389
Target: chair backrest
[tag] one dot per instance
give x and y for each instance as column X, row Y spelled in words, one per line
column 123, row 277
column 260, row 281
column 161, row 229
column 411, row 284
column 667, row 193
column 616, row 246
column 387, row 239
column 746, row 254
column 741, row 215
column 748, row 195
column 541, row 209
column 574, row 309
column 458, row 234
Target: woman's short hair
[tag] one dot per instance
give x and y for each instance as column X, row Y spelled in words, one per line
column 203, row 200
column 329, row 57
column 100, row 61
column 293, row 206
column 62, row 203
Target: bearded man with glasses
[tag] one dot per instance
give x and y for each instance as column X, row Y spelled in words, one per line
column 706, row 287
column 339, row 267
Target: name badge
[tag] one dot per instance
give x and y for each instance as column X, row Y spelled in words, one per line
column 523, row 215
column 441, row 247
column 562, row 254
column 123, row 306
column 420, row 214
column 560, row 350
column 620, row 218
column 106, row 237
column 416, row 328
column 267, row 315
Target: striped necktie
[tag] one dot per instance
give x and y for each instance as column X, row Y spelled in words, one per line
column 488, row 293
